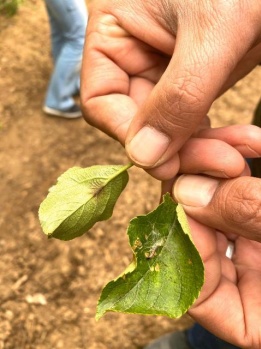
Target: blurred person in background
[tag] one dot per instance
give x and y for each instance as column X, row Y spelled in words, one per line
column 68, row 20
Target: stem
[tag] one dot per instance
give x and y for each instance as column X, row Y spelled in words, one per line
column 130, row 164
column 124, row 168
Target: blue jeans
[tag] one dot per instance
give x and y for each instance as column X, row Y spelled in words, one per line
column 68, row 21
column 199, row 338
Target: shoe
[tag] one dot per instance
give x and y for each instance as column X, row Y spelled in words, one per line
column 70, row 113
column 176, row 340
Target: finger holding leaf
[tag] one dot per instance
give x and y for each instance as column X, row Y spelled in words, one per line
column 167, row 273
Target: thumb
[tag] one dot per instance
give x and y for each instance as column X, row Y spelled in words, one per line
column 232, row 206
column 193, row 79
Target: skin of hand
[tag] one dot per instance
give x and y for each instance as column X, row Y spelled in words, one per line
column 218, row 152
column 151, row 70
column 221, row 211
column 229, row 303
column 232, row 205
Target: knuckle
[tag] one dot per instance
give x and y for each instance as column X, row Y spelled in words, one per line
column 188, row 92
column 182, row 101
column 241, row 202
column 86, row 111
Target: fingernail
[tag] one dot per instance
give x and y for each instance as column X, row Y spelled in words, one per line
column 196, row 191
column 147, row 146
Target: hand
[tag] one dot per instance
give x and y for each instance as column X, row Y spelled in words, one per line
column 219, row 152
column 232, row 206
column 153, row 69
column 222, row 212
column 229, row 303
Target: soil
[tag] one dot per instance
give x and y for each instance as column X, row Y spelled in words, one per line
column 49, row 288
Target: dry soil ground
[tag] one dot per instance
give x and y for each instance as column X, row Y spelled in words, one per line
column 48, row 288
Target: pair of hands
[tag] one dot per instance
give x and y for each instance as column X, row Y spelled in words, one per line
column 151, row 71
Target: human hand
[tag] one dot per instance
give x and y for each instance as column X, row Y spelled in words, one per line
column 153, row 69
column 229, row 303
column 230, row 213
column 219, row 152
column 232, row 206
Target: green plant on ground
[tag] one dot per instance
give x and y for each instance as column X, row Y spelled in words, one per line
column 166, row 274
column 9, row 7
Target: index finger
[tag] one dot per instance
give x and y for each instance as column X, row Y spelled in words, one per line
column 118, row 73
column 104, row 86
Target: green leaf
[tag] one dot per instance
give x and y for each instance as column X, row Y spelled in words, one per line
column 167, row 273
column 81, row 197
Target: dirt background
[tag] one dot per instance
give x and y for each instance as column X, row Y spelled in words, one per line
column 48, row 288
